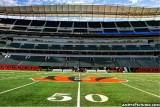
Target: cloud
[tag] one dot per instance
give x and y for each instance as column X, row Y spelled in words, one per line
column 134, row 1
column 156, row 1
column 9, row 2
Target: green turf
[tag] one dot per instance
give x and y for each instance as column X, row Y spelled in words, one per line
column 36, row 94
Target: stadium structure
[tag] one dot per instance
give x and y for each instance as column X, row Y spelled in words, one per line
column 96, row 63
column 95, row 46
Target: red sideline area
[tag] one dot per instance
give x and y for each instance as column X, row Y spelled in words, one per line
column 20, row 67
column 148, row 69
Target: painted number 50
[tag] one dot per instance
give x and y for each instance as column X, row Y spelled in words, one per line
column 60, row 97
column 66, row 97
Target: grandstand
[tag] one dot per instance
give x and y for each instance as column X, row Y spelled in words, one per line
column 83, row 63
column 86, row 44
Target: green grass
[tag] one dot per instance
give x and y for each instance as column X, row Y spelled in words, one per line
column 36, row 94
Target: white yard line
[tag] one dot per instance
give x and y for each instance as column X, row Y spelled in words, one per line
column 136, row 78
column 15, row 77
column 17, row 88
column 78, row 94
column 141, row 90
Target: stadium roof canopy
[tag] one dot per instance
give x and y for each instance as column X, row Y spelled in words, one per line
column 101, row 11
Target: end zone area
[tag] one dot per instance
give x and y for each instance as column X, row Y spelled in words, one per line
column 18, row 89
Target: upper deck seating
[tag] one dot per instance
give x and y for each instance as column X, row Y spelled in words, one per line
column 118, row 47
column 92, row 47
column 28, row 46
column 132, row 47
column 13, row 45
column 2, row 44
column 157, row 46
column 55, row 47
column 41, row 46
column 67, row 47
column 104, row 47
column 146, row 47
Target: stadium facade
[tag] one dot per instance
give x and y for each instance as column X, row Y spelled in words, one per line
column 116, row 46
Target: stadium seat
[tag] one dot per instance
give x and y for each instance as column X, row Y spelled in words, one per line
column 2, row 44
column 13, row 59
column 104, row 47
column 80, row 47
column 126, row 62
column 67, row 47
column 13, row 45
column 117, row 47
column 147, row 62
column 85, row 62
column 55, row 62
column 28, row 46
column 104, row 62
column 92, row 47
column 41, row 46
column 33, row 60
column 73, row 62
column 55, row 47
column 132, row 47
column 146, row 47
column 157, row 46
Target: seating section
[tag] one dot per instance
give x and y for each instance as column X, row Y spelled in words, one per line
column 28, row 46
column 67, row 47
column 41, row 46
column 85, row 62
column 2, row 44
column 104, row 47
column 81, row 47
column 92, row 47
column 104, row 62
column 33, row 60
column 73, row 62
column 132, row 47
column 147, row 47
column 13, row 59
column 147, row 62
column 79, row 61
column 55, row 47
column 55, row 61
column 13, row 45
column 118, row 47
column 157, row 46
column 126, row 62
column 1, row 57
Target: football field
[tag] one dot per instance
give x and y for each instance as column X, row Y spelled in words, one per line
column 78, row 89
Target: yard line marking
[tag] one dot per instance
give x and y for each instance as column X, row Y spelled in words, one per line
column 22, row 76
column 136, row 78
column 17, row 87
column 78, row 94
column 141, row 90
column 15, row 77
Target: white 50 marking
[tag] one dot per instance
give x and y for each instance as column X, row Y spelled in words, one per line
column 90, row 98
column 64, row 96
